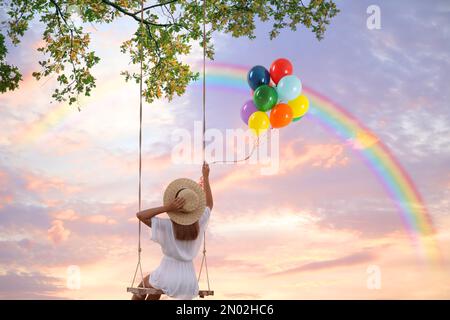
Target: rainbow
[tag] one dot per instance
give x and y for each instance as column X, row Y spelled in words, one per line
column 38, row 128
column 387, row 169
column 57, row 114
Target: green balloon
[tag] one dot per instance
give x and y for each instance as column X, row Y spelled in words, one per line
column 265, row 97
column 296, row 119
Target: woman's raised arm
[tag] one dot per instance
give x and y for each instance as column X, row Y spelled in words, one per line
column 146, row 215
column 206, row 186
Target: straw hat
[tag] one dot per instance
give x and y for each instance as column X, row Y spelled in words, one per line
column 195, row 200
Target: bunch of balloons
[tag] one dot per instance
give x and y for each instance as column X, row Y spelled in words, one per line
column 277, row 91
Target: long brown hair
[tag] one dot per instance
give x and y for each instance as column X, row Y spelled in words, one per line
column 186, row 232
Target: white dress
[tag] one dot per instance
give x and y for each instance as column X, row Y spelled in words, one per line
column 176, row 275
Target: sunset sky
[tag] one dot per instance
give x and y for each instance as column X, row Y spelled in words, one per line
column 68, row 179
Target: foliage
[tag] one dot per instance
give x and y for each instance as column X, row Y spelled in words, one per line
column 166, row 34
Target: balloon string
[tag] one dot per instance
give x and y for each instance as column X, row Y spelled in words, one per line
column 256, row 144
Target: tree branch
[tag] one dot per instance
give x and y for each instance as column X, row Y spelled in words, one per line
column 59, row 13
column 134, row 15
column 155, row 6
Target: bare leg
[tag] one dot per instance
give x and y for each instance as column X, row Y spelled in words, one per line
column 138, row 296
column 146, row 297
column 151, row 296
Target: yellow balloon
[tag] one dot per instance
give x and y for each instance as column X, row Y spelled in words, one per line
column 259, row 122
column 299, row 106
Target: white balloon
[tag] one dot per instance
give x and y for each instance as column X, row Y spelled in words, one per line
column 289, row 88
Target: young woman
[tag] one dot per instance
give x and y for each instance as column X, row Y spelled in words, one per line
column 189, row 207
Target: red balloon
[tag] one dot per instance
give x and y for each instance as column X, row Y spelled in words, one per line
column 280, row 115
column 279, row 69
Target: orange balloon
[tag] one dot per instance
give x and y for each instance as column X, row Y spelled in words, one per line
column 280, row 115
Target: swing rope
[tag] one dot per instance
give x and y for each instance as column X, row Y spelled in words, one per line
column 204, row 262
column 204, row 140
column 139, row 265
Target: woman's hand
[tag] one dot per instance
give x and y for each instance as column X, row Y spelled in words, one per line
column 176, row 205
column 206, row 186
column 205, row 170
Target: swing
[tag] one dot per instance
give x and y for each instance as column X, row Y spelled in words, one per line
column 143, row 290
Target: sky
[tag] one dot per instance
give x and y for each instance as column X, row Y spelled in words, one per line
column 319, row 228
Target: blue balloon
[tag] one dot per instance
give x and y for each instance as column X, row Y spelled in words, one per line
column 289, row 88
column 257, row 76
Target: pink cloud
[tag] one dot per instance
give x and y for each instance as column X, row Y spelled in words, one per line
column 234, row 178
column 127, row 163
column 294, row 157
column 3, row 178
column 28, row 84
column 52, row 203
column 316, row 155
column 57, row 233
column 5, row 199
column 221, row 262
column 63, row 145
column 242, row 295
column 349, row 260
column 68, row 215
column 33, row 285
column 41, row 184
column 72, row 215
column 100, row 219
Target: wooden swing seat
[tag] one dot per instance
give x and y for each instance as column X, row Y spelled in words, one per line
column 144, row 291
